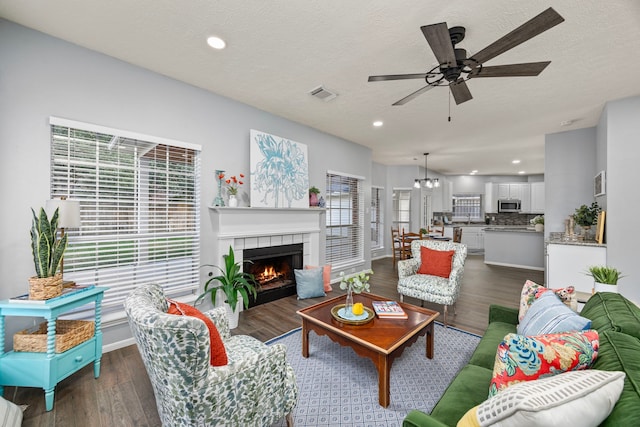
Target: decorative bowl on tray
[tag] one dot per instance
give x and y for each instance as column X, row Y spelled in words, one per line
column 338, row 313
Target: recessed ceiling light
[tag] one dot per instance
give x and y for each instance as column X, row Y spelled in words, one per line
column 515, row 162
column 567, row 122
column 216, row 42
column 377, row 123
column 473, row 172
column 521, row 172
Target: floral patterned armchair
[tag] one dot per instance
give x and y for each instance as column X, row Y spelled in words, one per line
column 256, row 388
column 435, row 289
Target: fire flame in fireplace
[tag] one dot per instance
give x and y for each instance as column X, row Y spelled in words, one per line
column 267, row 275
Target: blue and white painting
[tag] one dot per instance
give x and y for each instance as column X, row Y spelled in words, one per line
column 279, row 172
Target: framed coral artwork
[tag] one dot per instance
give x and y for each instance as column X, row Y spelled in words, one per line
column 279, row 172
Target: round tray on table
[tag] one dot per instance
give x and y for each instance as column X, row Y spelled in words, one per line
column 365, row 317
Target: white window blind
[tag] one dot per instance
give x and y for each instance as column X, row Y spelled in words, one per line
column 139, row 208
column 376, row 218
column 345, row 220
column 467, row 207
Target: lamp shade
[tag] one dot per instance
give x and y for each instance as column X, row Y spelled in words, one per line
column 68, row 212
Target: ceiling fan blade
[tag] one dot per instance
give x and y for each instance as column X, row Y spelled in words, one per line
column 460, row 91
column 541, row 23
column 413, row 95
column 397, row 77
column 511, row 70
column 440, row 41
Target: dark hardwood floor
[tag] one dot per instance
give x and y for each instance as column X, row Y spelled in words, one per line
column 122, row 396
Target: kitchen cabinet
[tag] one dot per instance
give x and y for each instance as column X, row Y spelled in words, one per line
column 490, row 197
column 473, row 237
column 447, row 195
column 537, row 197
column 525, row 198
column 512, row 191
column 567, row 264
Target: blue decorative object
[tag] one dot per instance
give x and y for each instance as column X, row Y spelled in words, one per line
column 309, row 283
column 219, row 201
column 279, row 172
column 321, row 202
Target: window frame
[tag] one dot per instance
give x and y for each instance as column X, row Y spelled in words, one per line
column 399, row 214
column 141, row 213
column 344, row 220
column 377, row 218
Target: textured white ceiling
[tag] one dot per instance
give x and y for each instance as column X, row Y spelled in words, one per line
column 277, row 51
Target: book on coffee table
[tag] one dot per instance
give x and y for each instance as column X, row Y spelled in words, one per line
column 389, row 310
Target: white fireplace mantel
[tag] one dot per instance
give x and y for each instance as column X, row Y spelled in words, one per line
column 256, row 227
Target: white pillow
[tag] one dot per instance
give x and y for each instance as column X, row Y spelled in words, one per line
column 575, row 398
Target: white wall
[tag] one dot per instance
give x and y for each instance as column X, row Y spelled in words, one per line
column 569, row 166
column 623, row 199
column 41, row 76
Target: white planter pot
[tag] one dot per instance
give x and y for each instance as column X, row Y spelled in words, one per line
column 233, row 317
column 604, row 287
column 233, row 201
column 539, row 227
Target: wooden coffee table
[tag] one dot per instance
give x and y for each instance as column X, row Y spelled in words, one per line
column 381, row 340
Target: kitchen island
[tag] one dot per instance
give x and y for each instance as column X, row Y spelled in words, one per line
column 513, row 246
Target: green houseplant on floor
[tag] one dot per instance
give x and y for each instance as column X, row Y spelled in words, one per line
column 605, row 279
column 235, row 284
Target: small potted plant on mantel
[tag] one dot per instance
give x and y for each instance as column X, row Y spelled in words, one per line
column 313, row 196
column 236, row 286
column 605, row 279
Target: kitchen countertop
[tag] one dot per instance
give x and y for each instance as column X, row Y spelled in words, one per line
column 511, row 229
column 574, row 242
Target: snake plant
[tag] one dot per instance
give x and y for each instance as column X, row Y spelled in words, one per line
column 47, row 248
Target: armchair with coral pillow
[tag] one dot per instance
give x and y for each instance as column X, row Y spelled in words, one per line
column 254, row 386
column 434, row 274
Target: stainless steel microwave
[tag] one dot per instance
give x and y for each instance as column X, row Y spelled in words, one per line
column 509, row 205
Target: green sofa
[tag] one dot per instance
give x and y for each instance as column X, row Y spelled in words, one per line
column 617, row 321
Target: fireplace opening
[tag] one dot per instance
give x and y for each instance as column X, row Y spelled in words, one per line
column 273, row 268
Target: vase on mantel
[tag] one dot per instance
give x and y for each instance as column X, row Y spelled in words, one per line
column 233, row 201
column 218, row 201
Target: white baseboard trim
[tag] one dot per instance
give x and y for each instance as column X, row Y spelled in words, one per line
column 524, row 267
column 117, row 345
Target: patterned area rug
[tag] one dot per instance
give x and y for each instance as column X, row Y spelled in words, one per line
column 339, row 388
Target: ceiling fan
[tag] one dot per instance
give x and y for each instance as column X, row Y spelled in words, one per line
column 455, row 68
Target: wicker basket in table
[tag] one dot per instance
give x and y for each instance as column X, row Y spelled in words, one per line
column 69, row 333
column 43, row 288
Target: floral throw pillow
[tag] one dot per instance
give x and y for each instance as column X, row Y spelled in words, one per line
column 520, row 358
column 531, row 291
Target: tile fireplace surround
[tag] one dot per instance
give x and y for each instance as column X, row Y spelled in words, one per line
column 249, row 228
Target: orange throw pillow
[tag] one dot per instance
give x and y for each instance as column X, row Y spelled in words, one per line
column 435, row 263
column 218, row 353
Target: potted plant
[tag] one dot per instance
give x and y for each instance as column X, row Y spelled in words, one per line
column 313, row 196
column 48, row 250
column 538, row 222
column 605, row 278
column 234, row 283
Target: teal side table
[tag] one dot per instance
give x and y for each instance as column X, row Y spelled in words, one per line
column 46, row 370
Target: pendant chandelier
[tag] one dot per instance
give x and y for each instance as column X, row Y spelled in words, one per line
column 426, row 181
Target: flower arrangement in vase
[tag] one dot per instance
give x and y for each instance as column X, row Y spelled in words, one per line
column 233, row 183
column 355, row 283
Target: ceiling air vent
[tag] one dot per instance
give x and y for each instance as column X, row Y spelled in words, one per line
column 321, row 93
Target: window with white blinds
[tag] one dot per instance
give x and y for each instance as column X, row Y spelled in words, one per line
column 345, row 220
column 139, row 207
column 376, row 218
